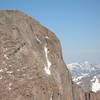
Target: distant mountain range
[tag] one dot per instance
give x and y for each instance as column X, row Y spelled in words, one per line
column 86, row 75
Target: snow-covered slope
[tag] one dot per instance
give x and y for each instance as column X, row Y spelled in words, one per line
column 86, row 75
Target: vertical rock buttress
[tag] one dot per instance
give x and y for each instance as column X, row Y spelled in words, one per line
column 31, row 63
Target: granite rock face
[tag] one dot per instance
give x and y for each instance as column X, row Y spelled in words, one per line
column 31, row 63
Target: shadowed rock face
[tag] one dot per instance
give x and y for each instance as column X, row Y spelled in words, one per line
column 31, row 64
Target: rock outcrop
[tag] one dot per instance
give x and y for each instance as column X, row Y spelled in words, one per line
column 31, row 63
column 80, row 94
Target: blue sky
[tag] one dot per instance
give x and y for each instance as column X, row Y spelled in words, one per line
column 75, row 22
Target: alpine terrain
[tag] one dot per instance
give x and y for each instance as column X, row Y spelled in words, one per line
column 86, row 75
column 32, row 66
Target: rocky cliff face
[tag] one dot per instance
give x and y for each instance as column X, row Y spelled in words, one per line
column 80, row 94
column 31, row 63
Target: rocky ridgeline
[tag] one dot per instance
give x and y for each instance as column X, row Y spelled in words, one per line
column 31, row 63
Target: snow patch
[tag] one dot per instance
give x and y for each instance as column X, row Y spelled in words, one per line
column 96, row 85
column 47, row 68
column 79, row 77
column 93, row 80
column 78, row 83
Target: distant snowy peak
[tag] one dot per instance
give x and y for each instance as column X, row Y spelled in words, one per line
column 86, row 75
column 80, row 65
column 73, row 65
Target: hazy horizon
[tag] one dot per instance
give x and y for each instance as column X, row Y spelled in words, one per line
column 75, row 22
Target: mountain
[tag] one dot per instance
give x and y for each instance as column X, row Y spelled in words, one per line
column 86, row 75
column 31, row 64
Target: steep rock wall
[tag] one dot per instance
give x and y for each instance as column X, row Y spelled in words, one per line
column 80, row 94
column 31, row 63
